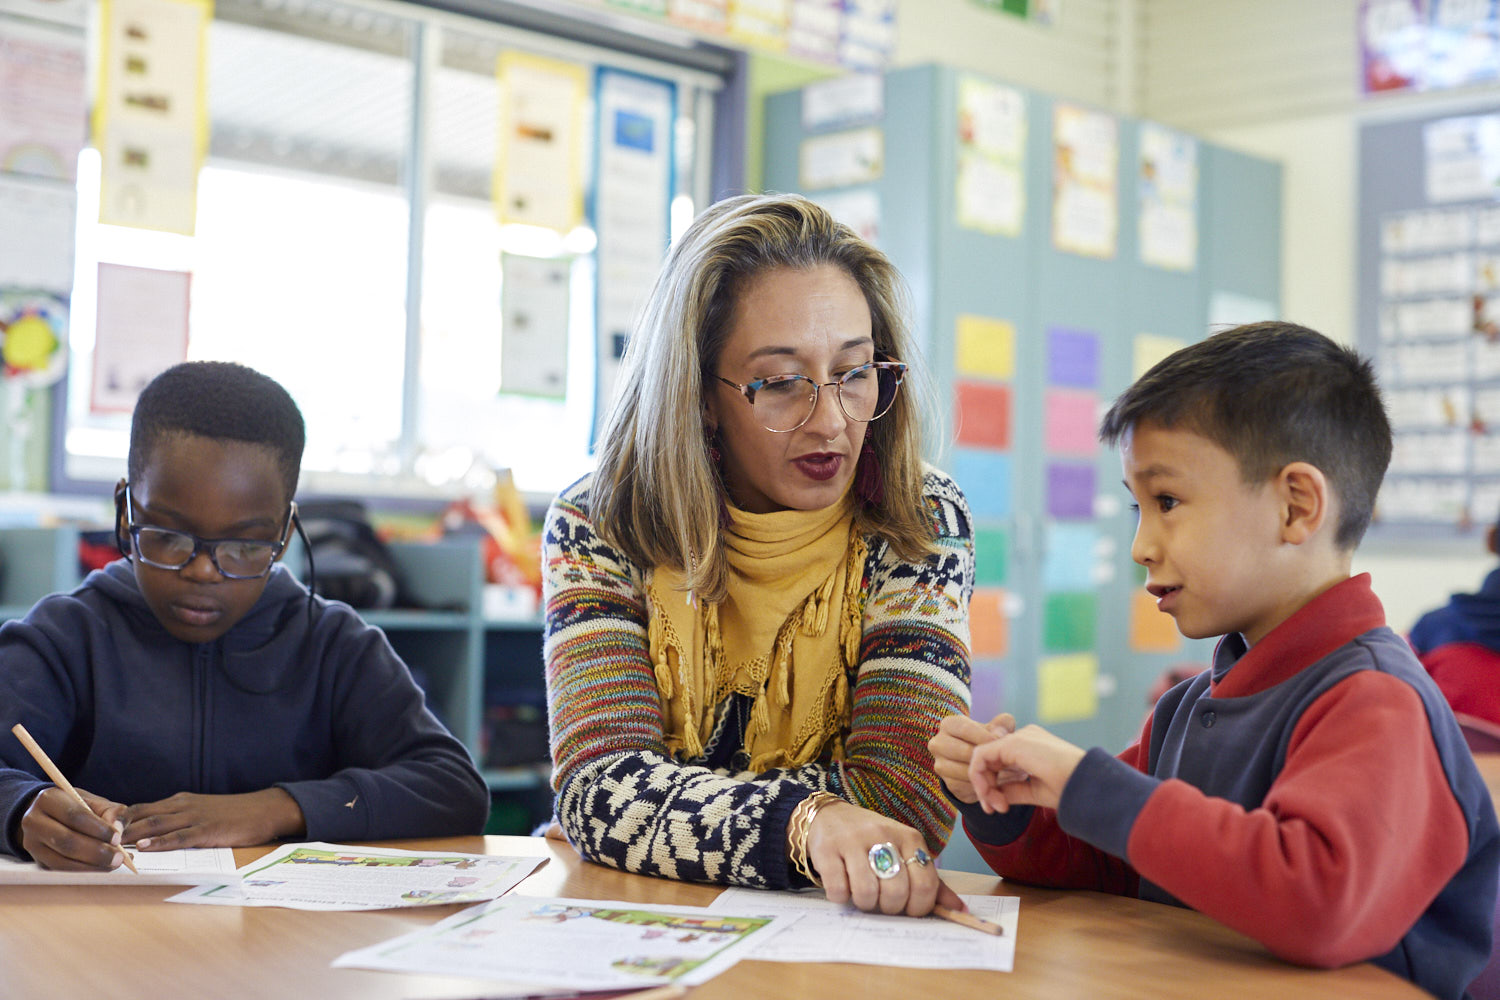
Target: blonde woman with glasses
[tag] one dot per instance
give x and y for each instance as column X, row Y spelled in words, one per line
column 757, row 605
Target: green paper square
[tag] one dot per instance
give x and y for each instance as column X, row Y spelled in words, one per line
column 991, row 556
column 1069, row 623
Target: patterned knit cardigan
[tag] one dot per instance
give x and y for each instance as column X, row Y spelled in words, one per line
column 623, row 801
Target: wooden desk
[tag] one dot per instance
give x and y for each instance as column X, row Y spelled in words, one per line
column 68, row 943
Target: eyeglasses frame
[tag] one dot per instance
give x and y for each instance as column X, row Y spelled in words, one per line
column 749, row 389
column 209, row 545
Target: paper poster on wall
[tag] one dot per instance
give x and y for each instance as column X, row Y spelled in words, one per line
column 761, row 24
column 1068, row 622
column 986, row 479
column 1428, row 44
column 813, row 29
column 1072, row 358
column 74, row 13
column 43, row 100
column 841, row 159
column 632, row 209
column 1462, row 158
column 1148, row 349
column 989, row 629
column 708, row 16
column 151, row 112
column 984, row 347
column 1067, row 688
column 534, row 326
column 1085, row 170
column 868, row 38
column 37, row 221
column 141, row 330
column 857, row 208
column 1151, row 630
column 981, row 414
column 1167, row 178
column 990, row 194
column 842, row 101
column 538, row 178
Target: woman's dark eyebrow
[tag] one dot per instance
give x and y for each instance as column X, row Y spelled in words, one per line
column 783, row 350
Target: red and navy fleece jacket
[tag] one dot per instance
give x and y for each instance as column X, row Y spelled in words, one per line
column 1459, row 644
column 1313, row 792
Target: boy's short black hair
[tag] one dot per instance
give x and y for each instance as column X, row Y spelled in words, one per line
column 221, row 400
column 1270, row 394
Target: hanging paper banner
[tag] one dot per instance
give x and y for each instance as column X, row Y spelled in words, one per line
column 151, row 114
column 74, row 13
column 37, row 220
column 43, row 104
column 632, row 208
column 760, row 23
column 990, row 195
column 539, row 167
column 141, row 331
column 534, row 331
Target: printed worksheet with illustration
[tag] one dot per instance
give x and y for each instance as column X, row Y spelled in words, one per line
column 190, row 866
column 825, row 929
column 321, row 876
column 577, row 944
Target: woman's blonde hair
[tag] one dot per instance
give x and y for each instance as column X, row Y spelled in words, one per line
column 655, row 494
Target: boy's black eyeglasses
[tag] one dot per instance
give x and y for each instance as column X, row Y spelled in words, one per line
column 234, row 558
column 782, row 403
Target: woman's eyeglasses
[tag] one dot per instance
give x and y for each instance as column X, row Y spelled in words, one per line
column 783, row 403
column 234, row 558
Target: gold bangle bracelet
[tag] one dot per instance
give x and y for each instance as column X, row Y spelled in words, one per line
column 813, row 803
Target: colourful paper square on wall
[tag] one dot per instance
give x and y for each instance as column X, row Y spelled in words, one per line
column 1070, row 558
column 1072, row 358
column 1070, row 490
column 1150, row 348
column 985, row 478
column 981, row 414
column 1151, row 631
column 985, row 347
column 986, row 690
column 1071, row 422
column 991, row 556
column 1067, row 688
column 1068, row 623
column 989, row 631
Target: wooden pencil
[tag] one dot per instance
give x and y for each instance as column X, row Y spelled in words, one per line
column 968, row 920
column 61, row 781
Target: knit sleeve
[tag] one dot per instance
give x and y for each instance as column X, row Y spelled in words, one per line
column 622, row 800
column 913, row 670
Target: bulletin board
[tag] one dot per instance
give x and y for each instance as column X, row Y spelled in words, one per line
column 1052, row 251
column 1429, row 313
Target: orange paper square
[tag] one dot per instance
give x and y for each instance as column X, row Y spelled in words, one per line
column 989, row 631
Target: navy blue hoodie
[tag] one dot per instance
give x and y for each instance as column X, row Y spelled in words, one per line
column 318, row 705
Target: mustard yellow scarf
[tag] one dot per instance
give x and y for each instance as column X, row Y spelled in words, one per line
column 785, row 635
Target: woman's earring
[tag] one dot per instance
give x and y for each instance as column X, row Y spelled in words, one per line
column 869, row 481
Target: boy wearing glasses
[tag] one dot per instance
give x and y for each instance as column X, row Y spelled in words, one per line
column 194, row 691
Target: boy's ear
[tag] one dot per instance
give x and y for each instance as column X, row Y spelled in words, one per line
column 1305, row 501
column 122, row 541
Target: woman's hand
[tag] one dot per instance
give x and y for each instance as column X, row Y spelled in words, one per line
column 189, row 820
column 838, row 845
column 61, row 834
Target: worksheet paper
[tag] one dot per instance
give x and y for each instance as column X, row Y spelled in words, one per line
column 576, row 944
column 319, row 876
column 192, row 866
column 835, row 932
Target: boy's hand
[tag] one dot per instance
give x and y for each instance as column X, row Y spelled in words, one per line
column 59, row 833
column 1046, row 763
column 838, row 846
column 954, row 744
column 189, row 820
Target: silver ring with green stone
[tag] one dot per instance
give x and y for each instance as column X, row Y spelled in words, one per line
column 885, row 862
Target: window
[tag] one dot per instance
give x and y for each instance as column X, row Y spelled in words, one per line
column 334, row 126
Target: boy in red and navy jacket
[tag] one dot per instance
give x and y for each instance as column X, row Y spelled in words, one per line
column 1311, row 789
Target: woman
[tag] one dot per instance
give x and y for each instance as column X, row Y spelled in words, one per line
column 757, row 606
